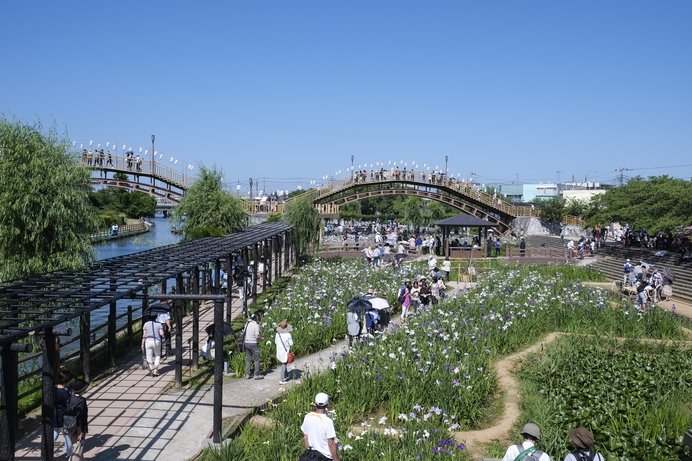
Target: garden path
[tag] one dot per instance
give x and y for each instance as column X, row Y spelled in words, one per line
column 510, row 389
column 678, row 306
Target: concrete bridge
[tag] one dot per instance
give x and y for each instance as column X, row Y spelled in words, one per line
column 463, row 196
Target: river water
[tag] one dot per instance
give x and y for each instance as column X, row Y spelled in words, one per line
column 159, row 235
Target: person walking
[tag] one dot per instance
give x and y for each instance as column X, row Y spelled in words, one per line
column 284, row 342
column 152, row 332
column 62, row 399
column 405, row 299
column 583, row 442
column 164, row 318
column 522, row 247
column 527, row 449
column 319, row 436
column 78, row 407
column 252, row 352
column 354, row 325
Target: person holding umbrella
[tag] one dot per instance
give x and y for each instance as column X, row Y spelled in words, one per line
column 284, row 342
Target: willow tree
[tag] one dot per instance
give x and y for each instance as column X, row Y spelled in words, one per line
column 207, row 210
column 302, row 215
column 45, row 214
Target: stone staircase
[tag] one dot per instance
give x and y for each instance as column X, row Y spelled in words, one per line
column 611, row 258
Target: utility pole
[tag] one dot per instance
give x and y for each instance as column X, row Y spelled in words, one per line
column 622, row 176
column 446, row 169
column 252, row 204
column 558, row 178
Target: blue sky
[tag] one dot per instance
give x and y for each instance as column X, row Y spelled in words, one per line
column 282, row 90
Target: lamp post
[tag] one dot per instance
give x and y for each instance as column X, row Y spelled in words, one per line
column 352, row 173
column 446, row 169
column 153, row 139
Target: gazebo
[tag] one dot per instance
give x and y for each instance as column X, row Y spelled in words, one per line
column 462, row 220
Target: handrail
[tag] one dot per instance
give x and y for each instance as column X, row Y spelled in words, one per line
column 130, row 165
column 465, row 189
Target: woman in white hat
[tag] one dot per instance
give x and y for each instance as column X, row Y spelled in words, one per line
column 284, row 342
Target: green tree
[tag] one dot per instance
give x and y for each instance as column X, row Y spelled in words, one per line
column 410, row 210
column 207, row 210
column 438, row 210
column 656, row 203
column 574, row 207
column 351, row 210
column 552, row 209
column 45, row 214
column 306, row 222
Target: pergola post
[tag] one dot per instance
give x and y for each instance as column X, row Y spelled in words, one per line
column 9, row 390
column 49, row 367
column 229, row 289
column 195, row 319
column 85, row 344
column 255, row 258
column 246, row 258
column 269, row 262
column 112, row 325
column 277, row 272
column 177, row 314
column 279, row 254
column 218, row 369
column 266, row 270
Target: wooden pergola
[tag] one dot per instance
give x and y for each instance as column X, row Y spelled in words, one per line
column 41, row 308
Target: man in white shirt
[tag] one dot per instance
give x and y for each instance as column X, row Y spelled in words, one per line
column 318, row 431
column 532, row 434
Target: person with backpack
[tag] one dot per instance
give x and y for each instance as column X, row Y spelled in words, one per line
column 319, row 436
column 583, row 442
column 62, row 399
column 627, row 267
column 527, row 451
column 76, row 420
column 152, row 332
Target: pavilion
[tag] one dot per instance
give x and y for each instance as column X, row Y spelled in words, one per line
column 462, row 220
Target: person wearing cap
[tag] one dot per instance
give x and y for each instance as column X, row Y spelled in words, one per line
column 319, row 436
column 527, row 450
column 284, row 342
column 79, row 407
column 628, row 270
column 583, row 442
column 62, row 399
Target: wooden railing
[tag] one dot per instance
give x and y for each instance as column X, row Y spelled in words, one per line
column 434, row 179
column 123, row 231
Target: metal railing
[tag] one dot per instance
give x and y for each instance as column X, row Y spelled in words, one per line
column 123, row 231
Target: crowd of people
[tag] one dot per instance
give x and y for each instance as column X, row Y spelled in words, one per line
column 650, row 284
column 97, row 158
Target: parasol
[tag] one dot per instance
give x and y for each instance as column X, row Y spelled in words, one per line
column 227, row 330
column 156, row 309
column 359, row 305
column 379, row 303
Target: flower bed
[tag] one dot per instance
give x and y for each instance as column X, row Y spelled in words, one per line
column 419, row 382
column 314, row 303
column 629, row 395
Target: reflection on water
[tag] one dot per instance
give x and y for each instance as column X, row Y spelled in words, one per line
column 159, row 235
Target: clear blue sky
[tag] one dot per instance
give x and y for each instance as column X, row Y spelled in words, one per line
column 292, row 89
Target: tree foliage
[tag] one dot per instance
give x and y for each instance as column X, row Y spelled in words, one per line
column 45, row 215
column 656, row 203
column 112, row 202
column 207, row 210
column 302, row 215
column 553, row 209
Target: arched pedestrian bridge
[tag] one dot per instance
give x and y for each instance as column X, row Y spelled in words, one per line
column 159, row 180
column 463, row 196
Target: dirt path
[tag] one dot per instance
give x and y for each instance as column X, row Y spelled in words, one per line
column 509, row 387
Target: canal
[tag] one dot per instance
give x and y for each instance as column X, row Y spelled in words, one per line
column 159, row 235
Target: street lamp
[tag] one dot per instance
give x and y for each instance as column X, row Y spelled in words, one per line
column 153, row 153
column 446, row 169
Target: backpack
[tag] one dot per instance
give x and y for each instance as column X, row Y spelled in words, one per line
column 584, row 455
column 530, row 454
column 69, row 422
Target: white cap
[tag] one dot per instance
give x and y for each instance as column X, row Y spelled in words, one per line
column 321, row 399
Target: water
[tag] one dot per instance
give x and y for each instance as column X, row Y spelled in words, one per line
column 159, row 235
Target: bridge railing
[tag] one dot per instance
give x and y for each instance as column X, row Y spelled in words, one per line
column 130, row 165
column 434, row 179
column 267, row 207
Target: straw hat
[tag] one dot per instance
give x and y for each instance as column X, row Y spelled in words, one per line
column 284, row 327
column 581, row 437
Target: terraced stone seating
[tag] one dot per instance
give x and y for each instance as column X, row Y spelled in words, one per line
column 610, row 260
